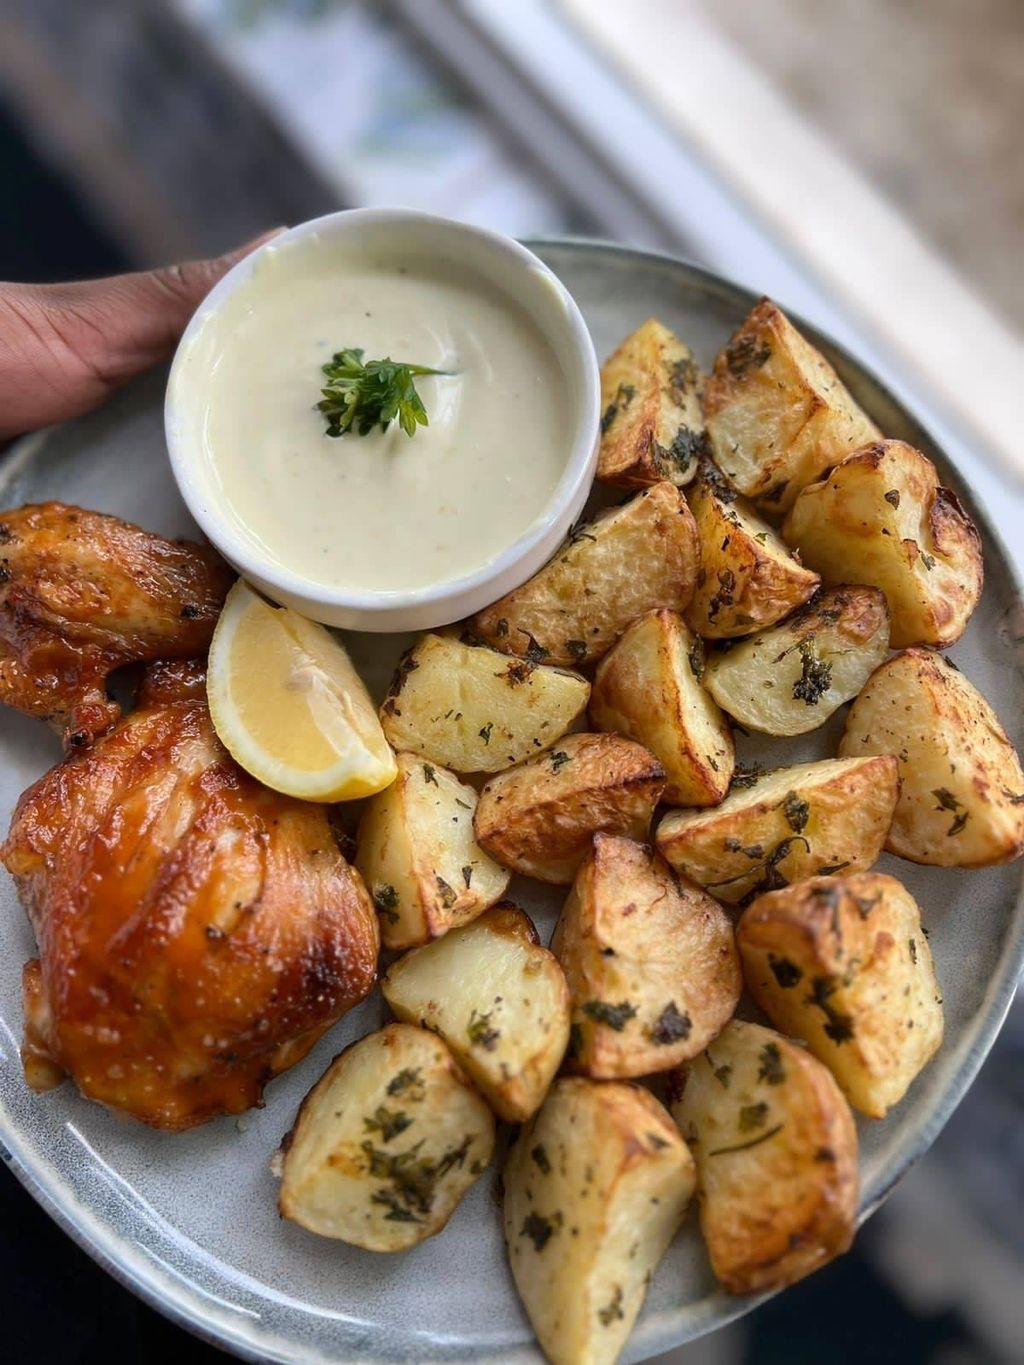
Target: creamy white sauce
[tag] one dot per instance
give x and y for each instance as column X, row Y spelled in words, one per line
column 381, row 512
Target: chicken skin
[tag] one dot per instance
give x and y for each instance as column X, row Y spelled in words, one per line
column 82, row 593
column 197, row 932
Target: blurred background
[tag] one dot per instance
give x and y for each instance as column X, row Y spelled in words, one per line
column 857, row 159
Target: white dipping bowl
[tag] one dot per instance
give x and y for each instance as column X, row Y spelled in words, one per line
column 510, row 268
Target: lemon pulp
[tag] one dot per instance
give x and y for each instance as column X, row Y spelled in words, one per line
column 289, row 706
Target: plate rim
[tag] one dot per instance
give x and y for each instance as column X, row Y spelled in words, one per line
column 180, row 1302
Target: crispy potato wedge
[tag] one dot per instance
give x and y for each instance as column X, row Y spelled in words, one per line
column 476, row 711
column 785, row 825
column 595, row 1188
column 626, row 561
column 419, row 859
column 648, row 688
column 962, row 796
column 539, row 818
column 748, row 579
column 497, row 998
column 652, row 427
column 385, row 1144
column 881, row 517
column 778, row 415
column 776, row 1152
column 651, row 963
column 843, row 963
column 791, row 678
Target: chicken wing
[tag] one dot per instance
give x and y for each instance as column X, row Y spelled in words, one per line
column 197, row 932
column 82, row 593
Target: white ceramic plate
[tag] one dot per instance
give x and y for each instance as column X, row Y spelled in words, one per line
column 190, row 1222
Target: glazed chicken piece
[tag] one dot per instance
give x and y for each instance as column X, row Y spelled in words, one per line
column 197, row 932
column 82, row 593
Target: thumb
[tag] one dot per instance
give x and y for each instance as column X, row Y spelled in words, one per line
column 142, row 315
column 64, row 348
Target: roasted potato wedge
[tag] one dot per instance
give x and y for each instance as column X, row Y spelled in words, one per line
column 776, row 1152
column 595, row 1188
column 385, row 1144
column 785, row 825
column 497, row 998
column 748, row 579
column 651, row 963
column 610, row 571
column 777, row 413
column 648, row 688
column 843, row 963
column 539, row 818
column 791, row 678
column 652, row 427
column 476, row 711
column 419, row 859
column 962, row 796
column 882, row 518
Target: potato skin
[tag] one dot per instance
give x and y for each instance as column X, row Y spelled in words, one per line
column 789, row 679
column 626, row 561
column 595, row 1188
column 649, row 689
column 652, row 426
column 776, row 1152
column 418, row 858
column 881, row 517
column 650, row 960
column 785, row 825
column 394, row 1094
column 539, row 818
column 474, row 710
column 777, row 413
column 962, row 796
column 748, row 579
column 509, row 1043
column 843, row 963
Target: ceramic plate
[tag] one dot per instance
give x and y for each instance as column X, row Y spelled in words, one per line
column 190, row 1222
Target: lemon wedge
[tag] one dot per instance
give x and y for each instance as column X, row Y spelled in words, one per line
column 289, row 706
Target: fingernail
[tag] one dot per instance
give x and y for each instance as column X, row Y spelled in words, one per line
column 241, row 251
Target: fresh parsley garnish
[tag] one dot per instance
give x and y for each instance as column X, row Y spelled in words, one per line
column 360, row 395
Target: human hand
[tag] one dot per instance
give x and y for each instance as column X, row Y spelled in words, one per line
column 65, row 348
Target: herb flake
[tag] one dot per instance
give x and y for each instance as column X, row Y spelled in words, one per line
column 615, row 1016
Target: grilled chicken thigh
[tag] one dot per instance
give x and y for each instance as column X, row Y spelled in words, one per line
column 197, row 932
column 82, row 593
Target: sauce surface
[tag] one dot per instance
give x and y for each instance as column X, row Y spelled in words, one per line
column 382, row 512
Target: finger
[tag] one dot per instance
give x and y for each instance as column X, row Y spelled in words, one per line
column 64, row 348
column 131, row 322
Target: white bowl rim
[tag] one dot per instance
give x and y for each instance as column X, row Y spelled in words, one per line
column 578, row 468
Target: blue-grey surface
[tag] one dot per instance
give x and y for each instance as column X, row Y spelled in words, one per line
column 191, row 1220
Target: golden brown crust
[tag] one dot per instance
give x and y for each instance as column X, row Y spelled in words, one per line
column 790, row 678
column 595, row 1188
column 499, row 1001
column 777, row 413
column 785, row 825
column 628, row 560
column 650, row 960
column 82, row 593
column 539, row 818
column 844, row 964
column 197, row 932
column 385, row 1144
column 648, row 688
column 881, row 517
column 776, row 1151
column 748, row 579
column 651, row 426
column 961, row 800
